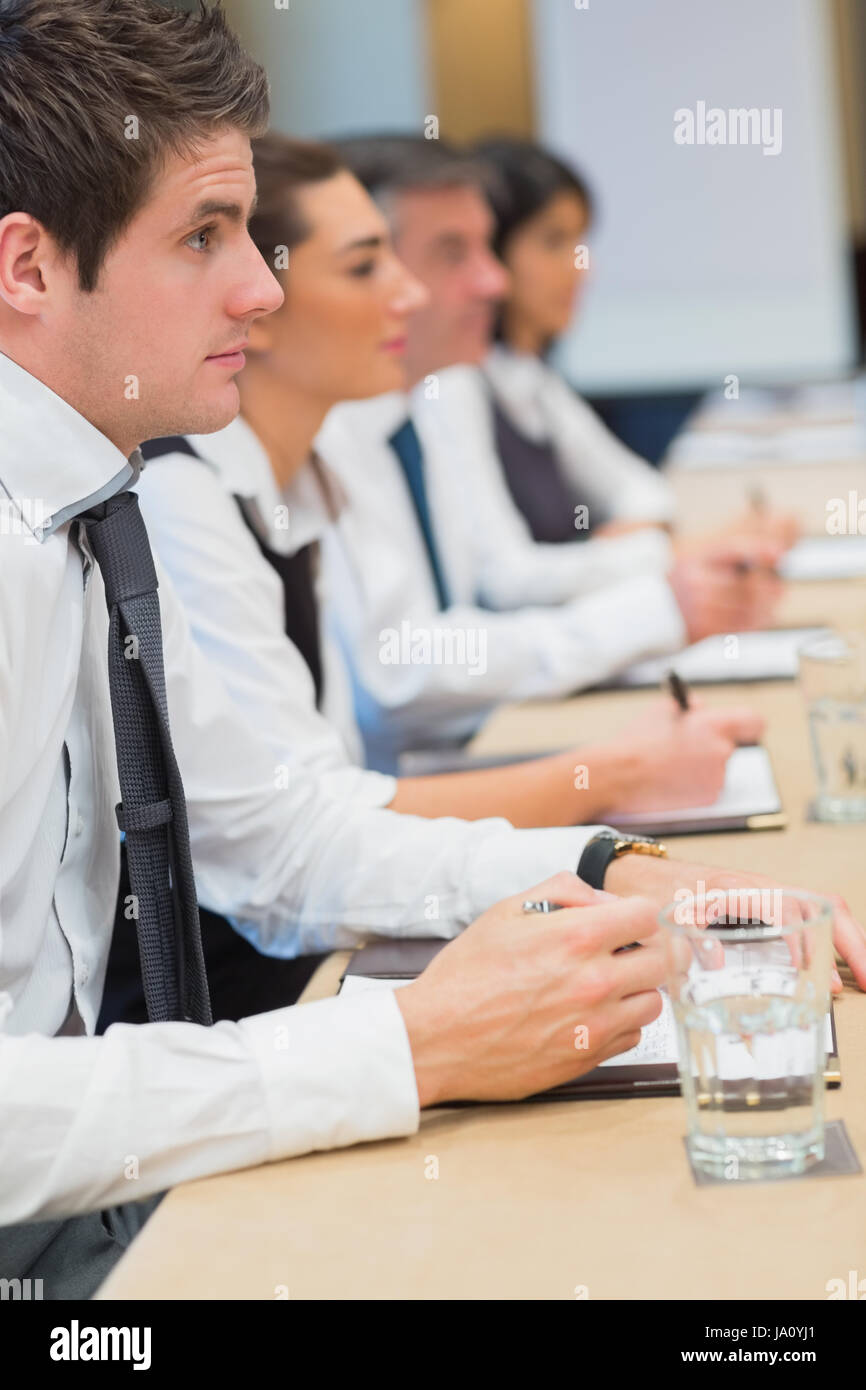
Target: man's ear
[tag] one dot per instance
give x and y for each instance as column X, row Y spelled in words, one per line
column 26, row 250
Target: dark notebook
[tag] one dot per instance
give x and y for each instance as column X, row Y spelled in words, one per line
column 648, row 1070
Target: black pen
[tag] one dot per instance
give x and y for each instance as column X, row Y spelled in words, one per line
column 679, row 690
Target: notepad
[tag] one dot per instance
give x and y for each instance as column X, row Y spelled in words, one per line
column 825, row 557
column 741, row 656
column 658, row 1044
column 650, row 1068
column 749, row 800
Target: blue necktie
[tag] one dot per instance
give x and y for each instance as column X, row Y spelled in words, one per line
column 407, row 447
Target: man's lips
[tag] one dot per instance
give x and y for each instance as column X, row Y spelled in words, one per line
column 232, row 357
column 396, row 344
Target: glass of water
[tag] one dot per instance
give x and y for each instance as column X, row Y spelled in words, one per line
column 833, row 681
column 749, row 980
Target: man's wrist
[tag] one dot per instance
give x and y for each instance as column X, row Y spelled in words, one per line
column 423, row 1035
column 642, row 875
column 607, row 845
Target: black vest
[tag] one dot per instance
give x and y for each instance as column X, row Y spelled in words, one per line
column 535, row 480
column 296, row 572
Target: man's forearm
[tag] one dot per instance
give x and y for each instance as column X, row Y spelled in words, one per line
column 564, row 789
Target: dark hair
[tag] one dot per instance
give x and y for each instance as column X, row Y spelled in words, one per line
column 283, row 166
column 387, row 164
column 73, row 74
column 526, row 178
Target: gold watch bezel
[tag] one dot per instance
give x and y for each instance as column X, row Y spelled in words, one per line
column 651, row 847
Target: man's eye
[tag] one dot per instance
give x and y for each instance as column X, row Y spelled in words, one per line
column 556, row 241
column 202, row 232
column 365, row 268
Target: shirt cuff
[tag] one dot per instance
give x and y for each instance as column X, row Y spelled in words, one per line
column 653, row 612
column 514, row 861
column 361, row 785
column 335, row 1072
column 651, row 549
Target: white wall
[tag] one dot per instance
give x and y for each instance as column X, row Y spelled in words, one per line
column 707, row 260
column 339, row 66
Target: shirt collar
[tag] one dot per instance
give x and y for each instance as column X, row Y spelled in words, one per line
column 53, row 462
column 315, row 499
column 286, row 519
column 518, row 380
column 239, row 457
column 371, row 420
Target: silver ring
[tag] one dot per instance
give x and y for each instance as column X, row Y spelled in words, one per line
column 543, row 906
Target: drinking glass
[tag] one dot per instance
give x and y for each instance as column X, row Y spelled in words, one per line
column 749, row 980
column 833, row 681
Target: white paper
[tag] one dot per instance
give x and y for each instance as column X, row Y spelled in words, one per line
column 825, row 557
column 749, row 790
column 741, row 656
column 658, row 1044
column 360, row 984
column 797, row 444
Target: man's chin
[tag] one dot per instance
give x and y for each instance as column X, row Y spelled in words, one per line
column 206, row 416
column 472, row 350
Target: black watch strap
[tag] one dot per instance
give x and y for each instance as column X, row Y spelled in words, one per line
column 606, row 845
column 597, row 854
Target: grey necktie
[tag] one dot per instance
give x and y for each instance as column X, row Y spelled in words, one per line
column 152, row 812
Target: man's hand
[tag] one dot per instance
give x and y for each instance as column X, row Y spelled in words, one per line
column 518, row 1003
column 669, row 757
column 731, row 586
column 659, row 879
column 782, row 528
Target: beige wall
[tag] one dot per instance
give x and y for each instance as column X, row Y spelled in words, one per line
column 851, row 55
column 480, row 64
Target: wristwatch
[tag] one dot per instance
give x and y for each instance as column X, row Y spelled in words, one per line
column 608, row 845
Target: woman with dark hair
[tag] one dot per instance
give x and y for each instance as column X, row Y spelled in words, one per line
column 543, row 212
column 557, row 455
column 567, row 473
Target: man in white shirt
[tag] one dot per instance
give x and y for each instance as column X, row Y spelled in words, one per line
column 118, row 324
column 550, row 618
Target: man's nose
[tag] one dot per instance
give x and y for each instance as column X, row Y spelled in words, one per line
column 410, row 295
column 259, row 292
column 492, row 279
column 269, row 292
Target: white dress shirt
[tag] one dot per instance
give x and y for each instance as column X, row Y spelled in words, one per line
column 234, row 603
column 180, row 1100
column 510, row 568
column 234, row 598
column 511, row 596
column 546, row 410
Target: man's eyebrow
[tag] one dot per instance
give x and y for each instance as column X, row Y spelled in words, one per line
column 450, row 240
column 363, row 243
column 215, row 207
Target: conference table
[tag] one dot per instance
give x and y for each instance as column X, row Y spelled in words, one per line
column 577, row 1200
